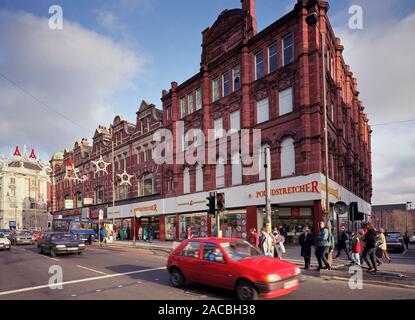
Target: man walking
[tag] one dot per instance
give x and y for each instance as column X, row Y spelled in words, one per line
column 344, row 242
column 322, row 247
column 306, row 240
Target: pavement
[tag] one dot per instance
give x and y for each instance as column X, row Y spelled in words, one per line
column 399, row 273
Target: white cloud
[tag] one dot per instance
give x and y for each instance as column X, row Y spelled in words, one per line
column 74, row 70
column 381, row 58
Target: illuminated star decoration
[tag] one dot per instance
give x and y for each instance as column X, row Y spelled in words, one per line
column 101, row 165
column 125, row 178
column 72, row 173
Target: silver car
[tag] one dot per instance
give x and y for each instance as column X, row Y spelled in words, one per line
column 21, row 237
column 4, row 242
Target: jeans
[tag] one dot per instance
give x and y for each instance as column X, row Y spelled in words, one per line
column 371, row 252
column 321, row 257
column 356, row 258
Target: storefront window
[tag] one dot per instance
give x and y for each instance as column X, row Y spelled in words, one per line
column 171, row 227
column 197, row 223
column 233, row 225
column 154, row 222
column 291, row 228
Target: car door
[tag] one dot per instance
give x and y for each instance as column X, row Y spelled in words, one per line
column 189, row 261
column 214, row 269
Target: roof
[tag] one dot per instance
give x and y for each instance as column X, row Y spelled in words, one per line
column 217, row 239
column 58, row 156
column 389, row 207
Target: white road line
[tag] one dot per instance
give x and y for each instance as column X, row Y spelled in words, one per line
column 3, row 293
column 93, row 270
column 49, row 257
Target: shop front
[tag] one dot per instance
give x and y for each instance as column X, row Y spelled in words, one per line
column 170, row 227
column 233, row 224
column 198, row 223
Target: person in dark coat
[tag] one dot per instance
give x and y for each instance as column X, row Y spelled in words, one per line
column 128, row 232
column 370, row 248
column 306, row 240
column 344, row 242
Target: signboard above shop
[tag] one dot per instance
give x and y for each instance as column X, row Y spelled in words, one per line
column 68, row 204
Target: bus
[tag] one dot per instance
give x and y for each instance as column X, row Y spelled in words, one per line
column 81, row 228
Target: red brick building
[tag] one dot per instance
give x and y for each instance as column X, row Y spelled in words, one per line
column 269, row 80
column 394, row 217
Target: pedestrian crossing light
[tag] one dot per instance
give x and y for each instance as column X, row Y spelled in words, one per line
column 211, row 203
column 220, row 202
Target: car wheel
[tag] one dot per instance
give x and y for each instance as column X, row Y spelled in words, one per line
column 245, row 290
column 176, row 278
column 52, row 252
column 79, row 253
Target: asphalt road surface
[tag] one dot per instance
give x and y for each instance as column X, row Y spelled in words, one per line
column 131, row 274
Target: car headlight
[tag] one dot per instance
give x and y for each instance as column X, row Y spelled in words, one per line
column 60, row 246
column 297, row 271
column 272, row 278
column 81, row 245
column 17, row 239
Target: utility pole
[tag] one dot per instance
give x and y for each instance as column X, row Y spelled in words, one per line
column 267, row 167
column 408, row 205
column 113, row 178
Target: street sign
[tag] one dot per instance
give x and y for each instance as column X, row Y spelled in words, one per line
column 101, row 214
column 88, row 201
column 340, row 208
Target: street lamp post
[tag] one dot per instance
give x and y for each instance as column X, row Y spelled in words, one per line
column 312, row 20
column 267, row 167
column 408, row 208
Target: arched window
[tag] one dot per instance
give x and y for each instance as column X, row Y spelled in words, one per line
column 99, row 195
column 236, row 169
column 147, row 185
column 186, row 181
column 122, row 192
column 199, row 177
column 220, row 173
column 287, row 157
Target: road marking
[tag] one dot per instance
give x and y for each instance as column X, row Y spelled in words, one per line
column 93, row 270
column 98, row 290
column 3, row 293
column 49, row 257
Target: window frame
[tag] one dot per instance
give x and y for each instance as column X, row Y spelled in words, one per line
column 256, row 65
column 284, row 63
column 270, row 57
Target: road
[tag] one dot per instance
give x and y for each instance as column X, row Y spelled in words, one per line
column 131, row 274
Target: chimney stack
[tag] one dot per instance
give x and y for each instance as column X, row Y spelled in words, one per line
column 249, row 6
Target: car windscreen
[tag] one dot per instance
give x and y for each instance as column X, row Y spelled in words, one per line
column 239, row 250
column 62, row 237
column 1, row 235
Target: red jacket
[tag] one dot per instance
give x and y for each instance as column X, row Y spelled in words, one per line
column 356, row 248
column 253, row 239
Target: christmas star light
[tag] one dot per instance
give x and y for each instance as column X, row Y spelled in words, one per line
column 125, row 178
column 100, row 165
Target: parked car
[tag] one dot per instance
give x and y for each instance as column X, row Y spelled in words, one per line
column 232, row 264
column 412, row 239
column 54, row 243
column 394, row 241
column 4, row 242
column 21, row 237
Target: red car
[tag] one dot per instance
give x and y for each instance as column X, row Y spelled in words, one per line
column 231, row 264
column 36, row 235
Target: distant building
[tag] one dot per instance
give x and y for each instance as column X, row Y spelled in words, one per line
column 24, row 191
column 393, row 217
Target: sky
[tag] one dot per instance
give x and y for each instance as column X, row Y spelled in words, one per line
column 111, row 54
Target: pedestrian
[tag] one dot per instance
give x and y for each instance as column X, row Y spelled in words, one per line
column 150, row 233
column 265, row 243
column 332, row 244
column 279, row 244
column 382, row 245
column 370, row 248
column 140, row 233
column 306, row 240
column 128, row 233
column 344, row 242
column 253, row 237
column 145, row 234
column 406, row 240
column 322, row 247
column 103, row 235
column 189, row 233
column 356, row 248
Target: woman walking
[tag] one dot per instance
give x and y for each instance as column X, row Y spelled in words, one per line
column 370, row 248
column 279, row 244
column 356, row 248
column 322, row 247
column 383, row 245
column 265, row 243
column 306, row 240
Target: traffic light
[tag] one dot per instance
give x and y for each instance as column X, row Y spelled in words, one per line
column 211, row 203
column 354, row 213
column 220, row 202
